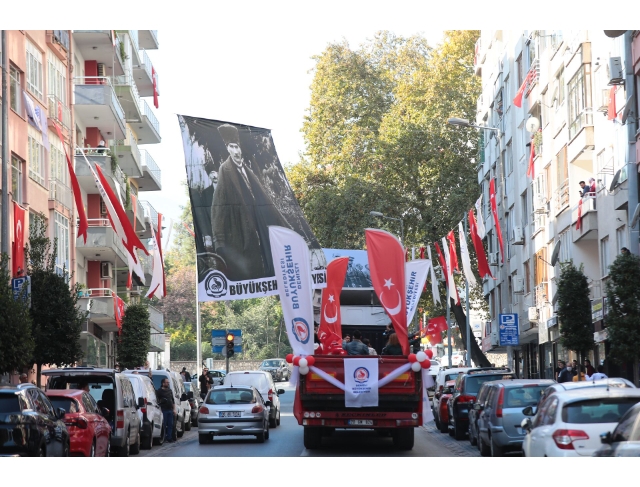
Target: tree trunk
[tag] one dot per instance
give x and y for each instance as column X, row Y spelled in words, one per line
column 636, row 372
column 478, row 357
column 38, row 374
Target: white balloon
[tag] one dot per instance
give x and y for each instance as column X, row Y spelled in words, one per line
column 303, row 362
column 421, row 356
column 415, row 366
column 303, row 370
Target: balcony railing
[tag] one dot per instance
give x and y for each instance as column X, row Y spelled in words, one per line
column 60, row 192
column 534, row 71
column 127, row 80
column 562, row 196
column 156, row 317
column 146, row 62
column 59, row 112
column 540, row 295
column 118, row 175
column 131, row 142
column 588, row 204
column 100, row 80
column 152, row 167
column 62, row 36
column 583, row 119
column 146, row 110
column 151, row 212
column 133, row 34
column 538, row 221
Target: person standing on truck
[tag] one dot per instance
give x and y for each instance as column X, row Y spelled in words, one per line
column 393, row 346
column 372, row 351
column 355, row 346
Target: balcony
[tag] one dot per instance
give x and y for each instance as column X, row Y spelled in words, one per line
column 156, row 317
column 96, row 105
column 148, row 129
column 127, row 93
column 99, row 301
column 538, row 222
column 58, row 112
column 589, row 221
column 150, row 214
column 540, row 295
column 621, row 193
column 143, row 76
column 148, row 39
column 128, row 154
column 97, row 45
column 151, row 174
column 139, row 223
column 60, row 194
column 561, row 197
column 112, row 172
column 156, row 342
column 581, row 145
column 102, row 243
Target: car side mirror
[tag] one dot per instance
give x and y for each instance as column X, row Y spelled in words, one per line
column 280, row 391
column 268, row 403
column 605, row 438
column 526, row 424
column 183, row 397
column 140, row 402
column 528, row 411
column 190, row 394
column 60, row 412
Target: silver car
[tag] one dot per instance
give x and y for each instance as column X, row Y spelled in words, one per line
column 231, row 411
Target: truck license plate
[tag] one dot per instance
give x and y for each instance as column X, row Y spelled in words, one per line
column 361, row 422
column 229, row 414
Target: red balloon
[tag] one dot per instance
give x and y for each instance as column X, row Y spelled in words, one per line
column 310, row 360
column 429, row 353
column 289, row 358
column 296, row 360
column 426, row 363
column 413, row 358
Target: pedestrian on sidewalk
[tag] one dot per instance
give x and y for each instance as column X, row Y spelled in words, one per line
column 205, row 383
column 565, row 374
column 167, row 405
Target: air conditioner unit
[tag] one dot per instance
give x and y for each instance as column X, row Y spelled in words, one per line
column 517, row 235
column 493, row 258
column 102, row 70
column 106, row 270
column 533, row 314
column 518, row 285
column 616, row 76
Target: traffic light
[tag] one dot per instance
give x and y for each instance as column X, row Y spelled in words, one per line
column 230, row 344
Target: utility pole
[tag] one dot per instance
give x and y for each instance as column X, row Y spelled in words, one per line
column 466, row 284
column 198, row 330
column 449, row 327
column 5, row 145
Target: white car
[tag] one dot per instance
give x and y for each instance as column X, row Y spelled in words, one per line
column 569, row 423
column 263, row 382
column 149, row 412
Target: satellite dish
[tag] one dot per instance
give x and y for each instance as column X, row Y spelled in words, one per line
column 614, row 33
column 636, row 216
column 556, row 252
column 554, row 300
column 532, row 125
column 627, row 110
column 614, row 182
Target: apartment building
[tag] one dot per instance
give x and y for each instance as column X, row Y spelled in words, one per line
column 94, row 85
column 575, row 111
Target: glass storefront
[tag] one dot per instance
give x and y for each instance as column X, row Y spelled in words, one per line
column 94, row 351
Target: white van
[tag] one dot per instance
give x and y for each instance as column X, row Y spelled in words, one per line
column 149, row 412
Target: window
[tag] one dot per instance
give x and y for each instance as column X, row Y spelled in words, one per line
column 540, row 267
column 16, row 179
column 36, row 156
column 531, row 52
column 565, row 246
column 58, row 170
column 14, row 87
column 62, row 234
column 525, row 208
column 520, row 70
column 527, row 278
column 509, row 158
column 579, row 95
column 57, row 75
column 34, row 70
column 621, row 238
column 604, row 256
column 625, row 427
column 560, row 87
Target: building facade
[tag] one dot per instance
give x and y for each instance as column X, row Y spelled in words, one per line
column 575, row 112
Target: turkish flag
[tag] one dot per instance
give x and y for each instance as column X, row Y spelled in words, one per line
column 118, row 310
column 494, row 210
column 154, row 76
column 483, row 265
column 330, row 329
column 611, row 109
column 517, row 101
column 443, row 265
column 452, row 251
column 532, row 156
column 386, row 263
column 17, row 258
column 435, row 327
column 579, row 220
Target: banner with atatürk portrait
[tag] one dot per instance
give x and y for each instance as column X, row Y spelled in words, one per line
column 238, row 189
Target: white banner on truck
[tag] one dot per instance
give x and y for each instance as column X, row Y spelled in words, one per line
column 415, row 275
column 361, row 382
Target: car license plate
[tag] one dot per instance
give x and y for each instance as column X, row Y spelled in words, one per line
column 361, row 422
column 230, row 414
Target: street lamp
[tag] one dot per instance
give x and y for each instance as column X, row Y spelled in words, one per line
column 380, row 215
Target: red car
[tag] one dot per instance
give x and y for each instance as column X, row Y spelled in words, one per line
column 441, row 413
column 89, row 431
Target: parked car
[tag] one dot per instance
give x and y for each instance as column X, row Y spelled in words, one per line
column 464, row 396
column 149, row 412
column 624, row 441
column 195, row 401
column 111, row 390
column 217, row 376
column 440, row 413
column 569, row 423
column 475, row 411
column 263, row 382
column 277, row 367
column 183, row 400
column 586, row 384
column 233, row 410
column 89, row 430
column 30, row 425
column 500, row 414
column 445, row 375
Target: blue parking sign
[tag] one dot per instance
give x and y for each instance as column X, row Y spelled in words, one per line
column 509, row 331
column 17, row 284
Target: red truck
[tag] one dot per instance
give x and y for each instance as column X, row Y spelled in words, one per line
column 320, row 407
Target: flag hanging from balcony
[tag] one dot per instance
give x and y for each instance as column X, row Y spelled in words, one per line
column 452, row 251
column 579, row 220
column 434, row 280
column 156, row 288
column 464, row 254
column 134, row 204
column 77, row 195
column 532, row 156
column 483, row 265
column 17, row 256
column 611, row 109
column 453, row 290
column 480, row 220
column 517, row 101
column 118, row 310
column 330, row 329
column 154, row 76
column 494, row 210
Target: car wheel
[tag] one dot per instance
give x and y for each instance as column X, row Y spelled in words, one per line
column 65, row 450
column 92, row 452
column 496, row 451
column 272, row 421
column 126, row 449
column 266, row 434
column 147, row 443
column 458, row 432
column 135, row 448
column 484, row 449
column 312, row 437
column 160, row 440
column 450, row 428
column 444, row 427
column 403, row 438
column 436, row 421
column 187, row 426
column 278, row 419
column 204, row 438
column 194, row 420
column 180, row 433
column 262, row 436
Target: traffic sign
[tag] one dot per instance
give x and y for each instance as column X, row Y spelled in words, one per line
column 509, row 331
column 219, row 340
column 16, row 286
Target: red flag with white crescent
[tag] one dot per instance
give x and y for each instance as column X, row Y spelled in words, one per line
column 494, row 210
column 452, row 252
column 532, row 156
column 386, row 263
column 483, row 265
column 443, row 265
column 330, row 329
column 17, row 259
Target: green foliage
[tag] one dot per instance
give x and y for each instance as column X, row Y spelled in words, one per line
column 183, row 250
column 133, row 344
column 114, row 163
column 574, row 309
column 16, row 343
column 56, row 319
column 127, row 194
column 623, row 317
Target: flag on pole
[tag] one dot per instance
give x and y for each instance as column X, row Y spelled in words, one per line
column 386, row 264
column 483, row 265
column 480, row 221
column 452, row 251
column 119, row 310
column 134, row 204
column 517, row 101
column 494, row 210
column 434, row 280
column 435, row 326
column 453, row 291
column 17, row 257
column 330, row 329
column 464, row 254
column 157, row 279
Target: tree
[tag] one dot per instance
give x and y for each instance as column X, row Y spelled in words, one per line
column 56, row 319
column 574, row 310
column 16, row 343
column 133, row 344
column 623, row 317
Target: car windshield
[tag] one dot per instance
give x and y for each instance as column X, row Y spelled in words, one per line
column 231, row 396
column 97, row 384
column 605, row 410
column 472, row 384
column 449, row 377
column 259, row 381
column 271, row 363
column 157, row 381
column 66, row 403
column 9, row 403
column 517, row 397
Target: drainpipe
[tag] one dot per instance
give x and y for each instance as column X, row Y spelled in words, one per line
column 631, row 124
column 5, row 145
